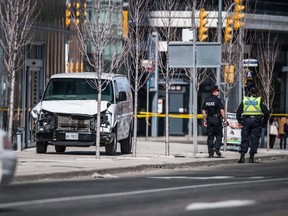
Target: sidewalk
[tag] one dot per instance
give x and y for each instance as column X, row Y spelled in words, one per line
column 150, row 156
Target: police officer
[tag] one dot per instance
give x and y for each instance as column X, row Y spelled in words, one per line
column 252, row 114
column 213, row 114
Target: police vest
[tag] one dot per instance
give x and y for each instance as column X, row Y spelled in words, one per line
column 251, row 106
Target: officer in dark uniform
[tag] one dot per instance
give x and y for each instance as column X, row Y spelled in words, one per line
column 253, row 115
column 213, row 114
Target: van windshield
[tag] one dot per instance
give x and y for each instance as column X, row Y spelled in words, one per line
column 76, row 89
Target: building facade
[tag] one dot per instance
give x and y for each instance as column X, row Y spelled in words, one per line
column 262, row 17
column 54, row 50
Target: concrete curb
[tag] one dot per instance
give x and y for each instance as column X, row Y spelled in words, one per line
column 138, row 168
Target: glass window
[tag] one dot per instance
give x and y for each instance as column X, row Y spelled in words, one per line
column 76, row 89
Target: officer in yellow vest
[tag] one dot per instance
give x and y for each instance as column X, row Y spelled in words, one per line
column 252, row 114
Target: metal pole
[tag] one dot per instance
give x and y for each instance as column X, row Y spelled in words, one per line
column 194, row 86
column 147, row 109
column 219, row 37
column 241, row 64
column 191, row 72
column 155, row 97
column 190, row 102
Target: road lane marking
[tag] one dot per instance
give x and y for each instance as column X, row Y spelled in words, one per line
column 202, row 178
column 221, row 204
column 130, row 193
column 189, row 177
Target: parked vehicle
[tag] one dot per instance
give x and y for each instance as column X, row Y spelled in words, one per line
column 66, row 114
column 8, row 159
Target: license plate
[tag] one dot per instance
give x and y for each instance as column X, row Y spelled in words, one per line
column 71, row 136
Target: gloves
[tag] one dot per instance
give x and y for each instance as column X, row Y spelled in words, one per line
column 240, row 121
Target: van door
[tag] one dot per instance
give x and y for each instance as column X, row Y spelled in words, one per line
column 123, row 109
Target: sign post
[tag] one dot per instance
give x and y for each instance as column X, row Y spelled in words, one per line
column 204, row 55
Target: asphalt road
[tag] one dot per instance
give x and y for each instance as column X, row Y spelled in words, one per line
column 238, row 189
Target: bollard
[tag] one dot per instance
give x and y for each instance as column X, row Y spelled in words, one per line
column 19, row 138
column 19, row 141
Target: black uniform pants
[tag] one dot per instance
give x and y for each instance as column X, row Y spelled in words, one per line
column 250, row 135
column 215, row 133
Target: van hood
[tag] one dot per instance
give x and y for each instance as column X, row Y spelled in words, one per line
column 82, row 107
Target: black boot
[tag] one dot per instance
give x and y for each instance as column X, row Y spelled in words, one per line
column 242, row 158
column 251, row 159
column 218, row 153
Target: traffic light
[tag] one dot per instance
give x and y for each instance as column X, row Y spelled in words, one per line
column 77, row 13
column 228, row 30
column 84, row 11
column 68, row 15
column 229, row 74
column 238, row 14
column 202, row 36
column 125, row 17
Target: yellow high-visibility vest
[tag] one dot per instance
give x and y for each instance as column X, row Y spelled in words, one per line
column 251, row 106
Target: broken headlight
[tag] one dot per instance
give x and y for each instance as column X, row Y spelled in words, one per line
column 46, row 120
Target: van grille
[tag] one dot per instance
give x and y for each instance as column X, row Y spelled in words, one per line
column 78, row 123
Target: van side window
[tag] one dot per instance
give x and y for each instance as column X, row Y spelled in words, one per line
column 116, row 89
column 107, row 92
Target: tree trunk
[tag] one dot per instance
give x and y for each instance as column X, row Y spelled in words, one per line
column 167, row 144
column 136, row 94
column 11, row 105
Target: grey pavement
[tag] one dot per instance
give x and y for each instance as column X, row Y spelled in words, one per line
column 77, row 162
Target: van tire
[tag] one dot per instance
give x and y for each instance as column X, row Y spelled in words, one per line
column 41, row 147
column 60, row 148
column 126, row 144
column 111, row 148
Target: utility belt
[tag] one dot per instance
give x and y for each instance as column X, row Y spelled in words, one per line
column 215, row 115
column 253, row 116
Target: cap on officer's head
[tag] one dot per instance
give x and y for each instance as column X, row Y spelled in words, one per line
column 253, row 91
column 214, row 89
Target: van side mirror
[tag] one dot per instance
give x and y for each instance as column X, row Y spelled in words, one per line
column 41, row 94
column 122, row 96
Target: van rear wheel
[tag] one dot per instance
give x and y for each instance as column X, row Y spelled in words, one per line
column 41, row 147
column 126, row 144
column 60, row 149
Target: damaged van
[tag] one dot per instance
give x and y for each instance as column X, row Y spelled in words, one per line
column 66, row 114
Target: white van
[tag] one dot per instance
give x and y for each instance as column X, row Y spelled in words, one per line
column 66, row 114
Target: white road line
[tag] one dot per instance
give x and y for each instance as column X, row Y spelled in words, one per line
column 131, row 193
column 221, row 204
column 189, row 177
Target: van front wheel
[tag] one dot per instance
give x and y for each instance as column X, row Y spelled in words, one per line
column 111, row 148
column 41, row 147
column 60, row 149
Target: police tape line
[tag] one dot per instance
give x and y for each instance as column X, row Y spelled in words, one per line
column 150, row 114
column 199, row 116
column 18, row 110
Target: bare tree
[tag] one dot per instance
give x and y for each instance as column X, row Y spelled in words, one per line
column 137, row 47
column 233, row 56
column 16, row 20
column 194, row 75
column 267, row 52
column 168, row 32
column 97, row 33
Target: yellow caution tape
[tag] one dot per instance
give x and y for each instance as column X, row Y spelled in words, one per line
column 199, row 116
column 150, row 114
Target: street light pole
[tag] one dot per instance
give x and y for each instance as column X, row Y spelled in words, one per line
column 219, row 36
column 194, row 80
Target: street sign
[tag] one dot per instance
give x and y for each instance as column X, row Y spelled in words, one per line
column 180, row 54
column 208, row 55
